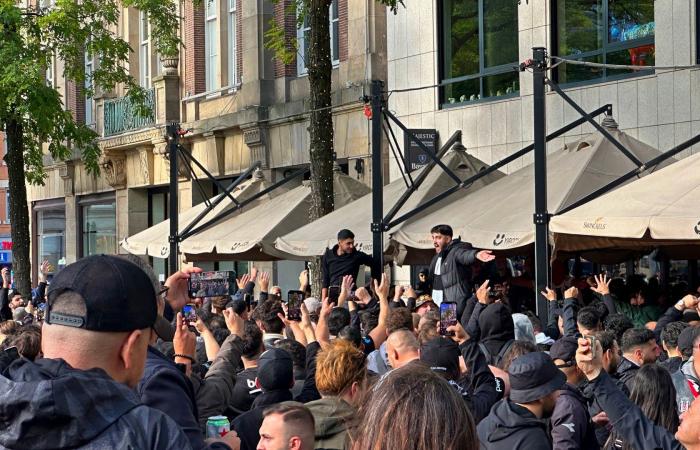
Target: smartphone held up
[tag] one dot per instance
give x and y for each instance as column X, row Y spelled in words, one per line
column 448, row 318
column 212, row 284
column 294, row 299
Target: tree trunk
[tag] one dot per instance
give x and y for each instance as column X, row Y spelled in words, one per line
column 321, row 121
column 19, row 212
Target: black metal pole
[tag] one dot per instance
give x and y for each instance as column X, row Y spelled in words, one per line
column 541, row 217
column 377, row 181
column 173, row 134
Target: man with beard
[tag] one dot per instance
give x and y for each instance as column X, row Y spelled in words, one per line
column 518, row 422
column 449, row 267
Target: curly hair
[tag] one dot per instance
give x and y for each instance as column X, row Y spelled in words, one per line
column 338, row 366
column 266, row 313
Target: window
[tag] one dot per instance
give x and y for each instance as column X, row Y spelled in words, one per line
column 7, row 206
column 144, row 51
column 479, row 49
column 603, row 31
column 232, row 44
column 211, row 45
column 157, row 213
column 89, row 100
column 49, row 72
column 303, row 36
column 51, row 236
column 98, row 225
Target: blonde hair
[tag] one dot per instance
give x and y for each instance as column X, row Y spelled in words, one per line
column 338, row 367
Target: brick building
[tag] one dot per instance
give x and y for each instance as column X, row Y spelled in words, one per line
column 241, row 104
column 5, row 239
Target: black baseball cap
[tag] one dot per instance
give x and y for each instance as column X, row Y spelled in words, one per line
column 118, row 295
column 441, row 355
column 565, row 349
column 275, row 370
column 533, row 376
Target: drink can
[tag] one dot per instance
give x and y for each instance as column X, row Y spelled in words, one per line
column 217, row 426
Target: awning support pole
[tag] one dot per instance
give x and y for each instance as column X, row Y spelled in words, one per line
column 377, row 226
column 541, row 217
column 172, row 133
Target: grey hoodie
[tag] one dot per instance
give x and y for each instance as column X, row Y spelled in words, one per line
column 49, row 405
column 334, row 419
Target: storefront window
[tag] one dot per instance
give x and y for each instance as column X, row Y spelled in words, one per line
column 603, row 31
column 99, row 227
column 51, row 237
column 157, row 213
column 479, row 49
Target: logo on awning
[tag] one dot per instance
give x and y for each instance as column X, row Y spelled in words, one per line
column 501, row 239
column 697, row 228
column 599, row 224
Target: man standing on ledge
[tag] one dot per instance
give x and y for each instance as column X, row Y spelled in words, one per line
column 344, row 259
column 449, row 269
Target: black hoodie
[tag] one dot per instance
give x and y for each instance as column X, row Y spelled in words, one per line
column 335, row 266
column 510, row 426
column 49, row 405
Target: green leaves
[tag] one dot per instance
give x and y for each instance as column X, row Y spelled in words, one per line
column 72, row 32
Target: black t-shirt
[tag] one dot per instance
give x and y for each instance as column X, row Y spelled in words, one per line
column 244, row 392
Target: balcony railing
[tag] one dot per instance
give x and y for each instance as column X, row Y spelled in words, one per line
column 120, row 115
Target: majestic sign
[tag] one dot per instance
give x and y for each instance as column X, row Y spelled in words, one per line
column 415, row 156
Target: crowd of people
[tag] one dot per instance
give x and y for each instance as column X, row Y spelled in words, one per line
column 103, row 357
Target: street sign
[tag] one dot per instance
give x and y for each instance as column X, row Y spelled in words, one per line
column 415, row 157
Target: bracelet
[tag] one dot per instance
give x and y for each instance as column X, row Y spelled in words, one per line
column 178, row 355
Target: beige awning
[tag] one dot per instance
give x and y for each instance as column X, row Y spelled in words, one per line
column 251, row 234
column 500, row 215
column 154, row 240
column 314, row 238
column 662, row 209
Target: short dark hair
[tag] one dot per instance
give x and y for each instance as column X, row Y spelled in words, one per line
column 517, row 348
column 442, row 229
column 345, row 234
column 669, row 335
column 338, row 319
column 399, row 318
column 352, row 335
column 368, row 320
column 252, row 346
column 607, row 339
column 266, row 313
column 295, row 350
column 588, row 317
column 618, row 324
column 636, row 337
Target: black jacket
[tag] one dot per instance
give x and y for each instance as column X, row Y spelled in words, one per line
column 455, row 273
column 334, row 267
column 5, row 311
column 214, row 393
column 166, row 388
column 49, row 405
column 247, row 425
column 509, row 426
column 483, row 392
column 626, row 372
column 629, row 421
column 571, row 424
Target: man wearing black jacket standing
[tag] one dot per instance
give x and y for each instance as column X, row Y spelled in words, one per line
column 344, row 259
column 571, row 423
column 448, row 269
column 518, row 422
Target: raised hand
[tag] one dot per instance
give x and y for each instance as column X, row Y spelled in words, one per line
column 243, row 280
column 572, row 292
column 264, row 281
column 549, row 294
column 382, row 289
column 458, row 334
column 234, row 322
column 602, row 284
column 588, row 361
column 485, row 256
column 184, row 341
column 253, row 274
column 303, row 279
column 482, row 293
column 176, row 283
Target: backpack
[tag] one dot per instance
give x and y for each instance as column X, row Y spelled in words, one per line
column 495, row 360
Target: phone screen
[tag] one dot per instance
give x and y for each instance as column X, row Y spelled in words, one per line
column 212, row 284
column 333, row 294
column 189, row 313
column 294, row 299
column 448, row 317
